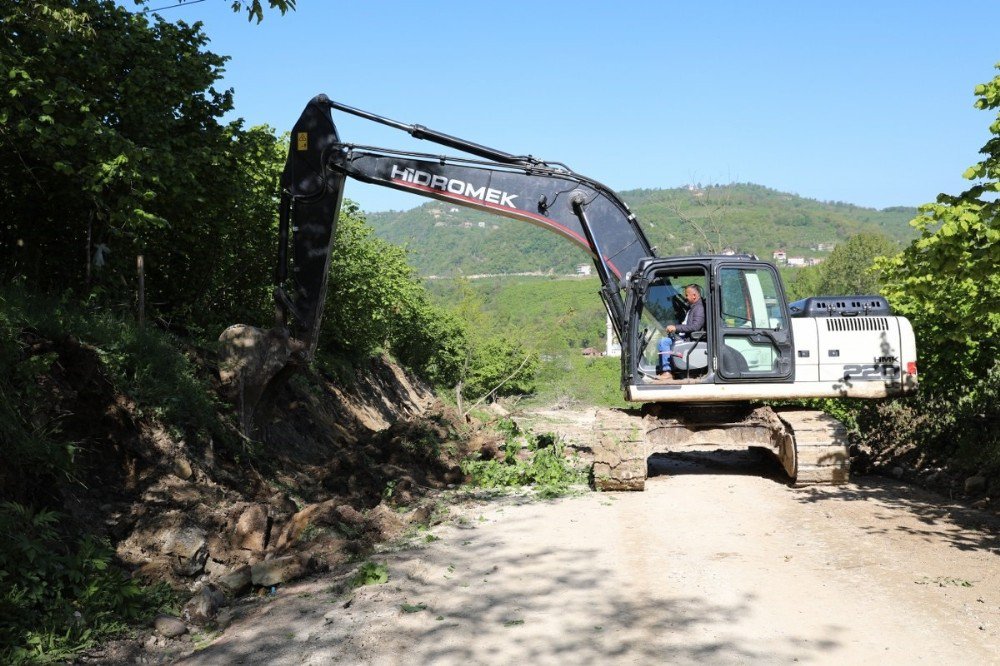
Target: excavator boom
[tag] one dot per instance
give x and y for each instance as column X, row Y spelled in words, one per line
column 548, row 195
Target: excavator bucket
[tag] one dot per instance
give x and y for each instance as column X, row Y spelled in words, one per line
column 310, row 206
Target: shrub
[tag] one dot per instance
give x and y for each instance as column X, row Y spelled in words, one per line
column 60, row 595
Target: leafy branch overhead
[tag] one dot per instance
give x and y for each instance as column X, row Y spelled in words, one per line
column 948, row 280
column 254, row 8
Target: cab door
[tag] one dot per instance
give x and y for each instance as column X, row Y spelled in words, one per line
column 753, row 335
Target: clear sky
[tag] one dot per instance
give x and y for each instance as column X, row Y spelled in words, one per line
column 864, row 102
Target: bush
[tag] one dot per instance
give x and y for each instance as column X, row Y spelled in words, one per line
column 963, row 430
column 60, row 595
column 500, row 367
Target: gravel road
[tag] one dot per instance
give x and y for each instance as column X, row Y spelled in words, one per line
column 716, row 562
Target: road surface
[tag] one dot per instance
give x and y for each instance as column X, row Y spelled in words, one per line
column 717, row 561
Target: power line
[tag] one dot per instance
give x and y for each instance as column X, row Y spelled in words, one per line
column 179, row 4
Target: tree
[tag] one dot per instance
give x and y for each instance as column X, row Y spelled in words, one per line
column 947, row 282
column 850, row 269
column 110, row 135
column 255, row 10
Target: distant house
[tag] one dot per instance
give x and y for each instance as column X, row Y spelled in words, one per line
column 481, row 225
column 780, row 257
column 466, row 225
column 796, row 261
column 583, row 269
column 728, row 252
column 815, row 261
column 825, row 247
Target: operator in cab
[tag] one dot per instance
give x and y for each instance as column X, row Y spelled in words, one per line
column 694, row 320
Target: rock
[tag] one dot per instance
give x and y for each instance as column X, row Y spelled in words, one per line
column 419, row 516
column 169, row 626
column 189, row 547
column 182, row 469
column 203, row 607
column 252, row 527
column 225, row 618
column 348, row 515
column 283, row 505
column 982, row 503
column 237, row 581
column 322, row 513
column 897, row 472
column 497, row 409
column 249, row 361
column 386, row 522
column 279, row 570
column 975, row 484
column 215, row 569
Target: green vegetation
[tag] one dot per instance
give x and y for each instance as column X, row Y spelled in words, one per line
column 947, row 282
column 551, row 318
column 61, row 594
column 370, row 573
column 114, row 147
column 528, row 460
column 849, row 270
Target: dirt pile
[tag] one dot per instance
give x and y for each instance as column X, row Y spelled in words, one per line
column 341, row 466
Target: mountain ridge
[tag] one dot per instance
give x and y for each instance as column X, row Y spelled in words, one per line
column 446, row 240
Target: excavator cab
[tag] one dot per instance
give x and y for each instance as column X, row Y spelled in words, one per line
column 746, row 339
column 663, row 303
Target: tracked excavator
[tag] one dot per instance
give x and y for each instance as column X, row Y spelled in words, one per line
column 753, row 347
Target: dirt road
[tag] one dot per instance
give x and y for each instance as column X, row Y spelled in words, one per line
column 716, row 562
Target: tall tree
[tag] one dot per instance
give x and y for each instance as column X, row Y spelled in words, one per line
column 948, row 280
column 850, row 270
column 112, row 145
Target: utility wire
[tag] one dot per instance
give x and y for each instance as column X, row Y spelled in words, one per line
column 179, row 4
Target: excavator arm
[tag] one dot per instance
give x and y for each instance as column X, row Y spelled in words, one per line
column 546, row 194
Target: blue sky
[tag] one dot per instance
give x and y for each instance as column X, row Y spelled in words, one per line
column 864, row 102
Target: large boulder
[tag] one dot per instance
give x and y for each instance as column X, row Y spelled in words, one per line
column 252, row 529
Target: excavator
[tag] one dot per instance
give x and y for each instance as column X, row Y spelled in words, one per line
column 754, row 345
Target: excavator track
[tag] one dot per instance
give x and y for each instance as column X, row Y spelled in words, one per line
column 619, row 450
column 821, row 447
column 811, row 446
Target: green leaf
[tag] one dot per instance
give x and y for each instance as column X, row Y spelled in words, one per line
column 413, row 608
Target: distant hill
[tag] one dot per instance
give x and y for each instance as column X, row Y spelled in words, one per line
column 446, row 240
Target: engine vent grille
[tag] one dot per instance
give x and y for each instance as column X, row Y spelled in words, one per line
column 857, row 324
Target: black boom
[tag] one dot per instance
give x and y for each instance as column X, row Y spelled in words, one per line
column 546, row 194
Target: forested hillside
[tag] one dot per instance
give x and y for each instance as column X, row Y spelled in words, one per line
column 445, row 240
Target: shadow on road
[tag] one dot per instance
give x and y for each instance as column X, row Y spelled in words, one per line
column 935, row 517
column 483, row 604
column 746, row 462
